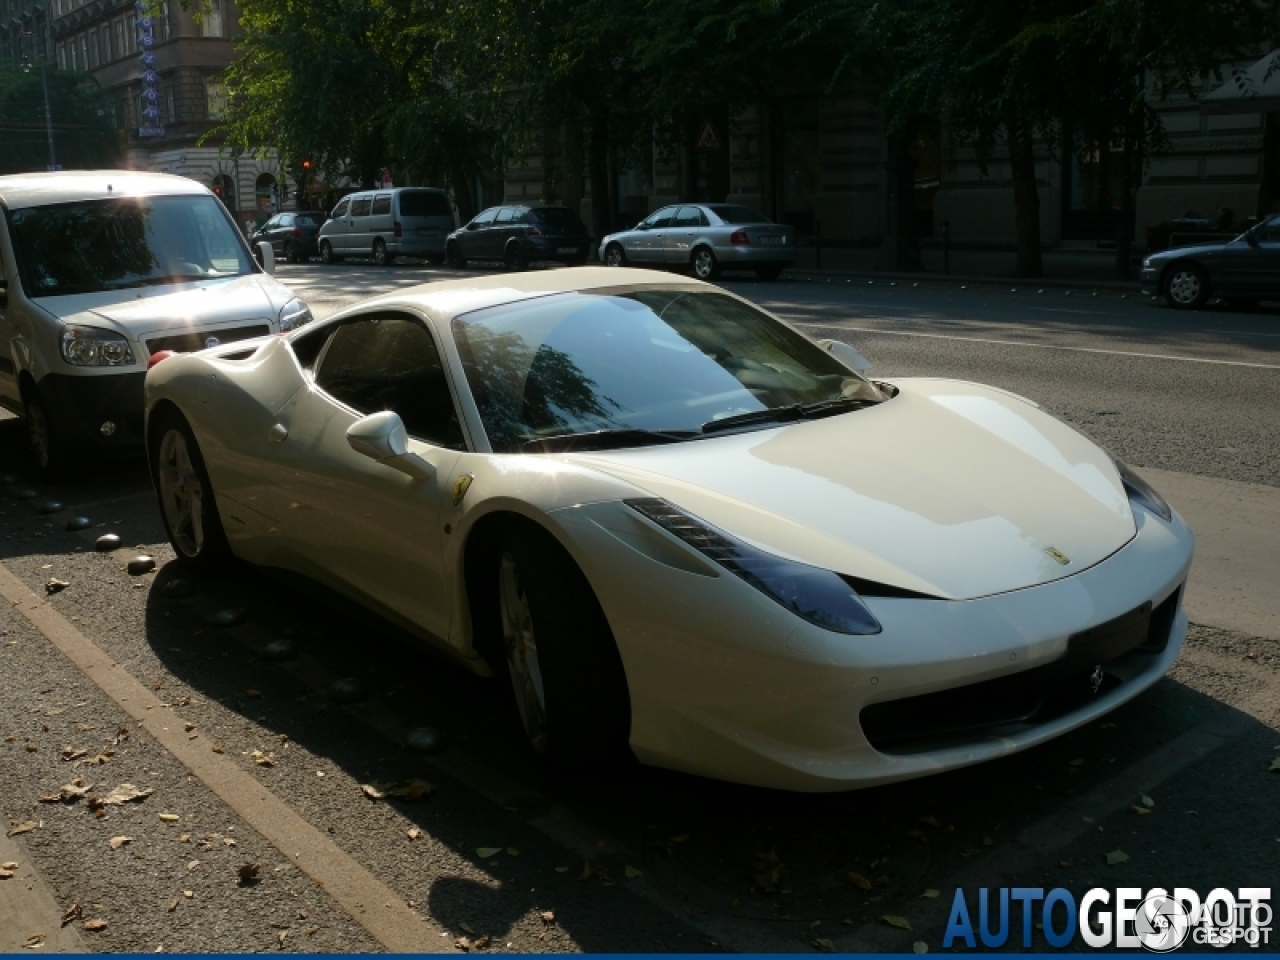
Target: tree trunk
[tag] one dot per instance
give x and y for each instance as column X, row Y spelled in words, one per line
column 1026, row 197
column 902, row 247
column 598, row 170
column 462, row 193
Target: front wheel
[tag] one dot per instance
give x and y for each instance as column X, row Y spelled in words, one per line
column 567, row 676
column 705, row 265
column 290, row 254
column 327, row 256
column 54, row 456
column 186, row 496
column 380, row 256
column 1186, row 287
column 515, row 258
column 453, row 254
column 614, row 257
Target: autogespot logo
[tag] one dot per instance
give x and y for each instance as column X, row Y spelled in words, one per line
column 1156, row 920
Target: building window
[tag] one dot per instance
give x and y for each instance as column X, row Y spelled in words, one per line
column 170, row 105
column 95, row 51
column 62, row 57
column 84, row 52
column 120, row 38
column 216, row 97
column 213, row 19
column 133, row 33
column 163, row 32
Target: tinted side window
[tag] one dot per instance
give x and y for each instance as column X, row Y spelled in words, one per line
column 505, row 215
column 660, row 219
column 688, row 217
column 424, row 203
column 485, row 218
column 390, row 362
column 360, row 207
column 341, row 209
column 381, row 204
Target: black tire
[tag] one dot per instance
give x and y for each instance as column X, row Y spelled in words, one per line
column 515, row 258
column 705, row 265
column 586, row 708
column 1186, row 286
column 327, row 256
column 380, row 256
column 768, row 273
column 203, row 542
column 54, row 454
column 453, row 256
column 615, row 256
column 435, row 259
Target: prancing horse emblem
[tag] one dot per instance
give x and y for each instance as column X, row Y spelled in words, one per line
column 1058, row 555
column 1096, row 678
column 460, row 487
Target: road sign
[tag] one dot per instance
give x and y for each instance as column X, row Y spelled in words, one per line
column 708, row 139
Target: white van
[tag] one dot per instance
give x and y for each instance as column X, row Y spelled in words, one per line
column 385, row 224
column 98, row 271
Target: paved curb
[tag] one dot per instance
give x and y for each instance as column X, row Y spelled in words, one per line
column 1022, row 284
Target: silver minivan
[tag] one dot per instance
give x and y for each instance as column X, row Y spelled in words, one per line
column 386, row 224
column 101, row 274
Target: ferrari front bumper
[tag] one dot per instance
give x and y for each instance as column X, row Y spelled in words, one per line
column 726, row 683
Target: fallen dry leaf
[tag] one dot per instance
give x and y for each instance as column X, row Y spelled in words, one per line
column 1147, row 801
column 859, row 881
column 97, row 760
column 93, row 926
column 125, row 793
column 248, row 873
column 262, row 759
column 253, row 694
column 174, row 905
column 463, row 944
column 919, row 947
column 414, row 790
column 281, row 936
column 55, row 585
column 25, row 827
column 1139, row 810
column 931, row 821
column 372, row 792
column 414, row 833
column 9, row 865
column 931, row 894
column 5, row 874
column 170, row 817
column 484, row 853
column 33, row 941
column 1116, row 856
column 547, row 916
column 481, row 943
column 118, row 842
column 822, row 943
column 71, row 753
column 633, row 872
column 72, row 913
column 902, row 923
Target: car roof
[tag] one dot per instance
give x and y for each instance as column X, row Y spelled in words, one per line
column 38, row 189
column 451, row 298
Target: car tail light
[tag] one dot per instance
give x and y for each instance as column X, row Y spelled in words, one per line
column 399, row 229
column 739, row 238
column 295, row 232
column 532, row 232
column 158, row 356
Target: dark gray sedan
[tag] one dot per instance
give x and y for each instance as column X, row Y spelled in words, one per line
column 707, row 237
column 1242, row 271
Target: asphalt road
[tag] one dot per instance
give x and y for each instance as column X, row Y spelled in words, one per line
column 634, row 859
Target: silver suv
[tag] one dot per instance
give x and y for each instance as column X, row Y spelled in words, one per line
column 101, row 270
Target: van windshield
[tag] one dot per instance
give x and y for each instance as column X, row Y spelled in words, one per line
column 424, row 203
column 95, row 245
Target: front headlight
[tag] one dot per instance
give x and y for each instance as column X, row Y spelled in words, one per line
column 1142, row 493
column 811, row 593
column 294, row 314
column 91, row 347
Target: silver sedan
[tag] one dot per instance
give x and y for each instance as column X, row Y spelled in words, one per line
column 708, row 237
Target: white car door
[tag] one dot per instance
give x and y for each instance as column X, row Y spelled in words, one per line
column 364, row 527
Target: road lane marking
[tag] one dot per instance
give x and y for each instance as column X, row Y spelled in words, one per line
column 370, row 902
column 1039, row 346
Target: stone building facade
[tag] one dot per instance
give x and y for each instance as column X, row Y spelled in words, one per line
column 24, row 30
column 191, row 45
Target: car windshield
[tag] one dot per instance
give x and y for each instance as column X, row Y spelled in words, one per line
column 560, row 218
column 424, row 203
column 732, row 213
column 96, row 245
column 669, row 360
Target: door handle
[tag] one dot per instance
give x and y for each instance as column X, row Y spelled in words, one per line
column 278, row 433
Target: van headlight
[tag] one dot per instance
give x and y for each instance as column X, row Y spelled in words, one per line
column 91, row 347
column 820, row 596
column 294, row 314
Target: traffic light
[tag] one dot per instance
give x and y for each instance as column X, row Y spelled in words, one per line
column 306, row 164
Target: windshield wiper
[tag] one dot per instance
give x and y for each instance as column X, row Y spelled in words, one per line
column 787, row 414
column 604, row 439
column 823, row 407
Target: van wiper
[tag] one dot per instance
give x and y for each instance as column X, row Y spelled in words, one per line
column 604, row 439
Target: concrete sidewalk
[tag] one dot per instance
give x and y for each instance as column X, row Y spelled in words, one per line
column 1091, row 269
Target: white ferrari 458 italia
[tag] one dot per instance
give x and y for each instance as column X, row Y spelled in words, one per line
column 678, row 525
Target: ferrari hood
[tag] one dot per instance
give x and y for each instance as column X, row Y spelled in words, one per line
column 950, row 489
column 200, row 304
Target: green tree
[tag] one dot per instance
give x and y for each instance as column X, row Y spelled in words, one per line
column 82, row 131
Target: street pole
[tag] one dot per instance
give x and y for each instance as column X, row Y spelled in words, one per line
column 48, row 119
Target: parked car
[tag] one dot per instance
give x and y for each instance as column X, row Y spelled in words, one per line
column 707, row 237
column 386, row 224
column 1241, row 271
column 520, row 234
column 293, row 236
column 675, row 524
column 98, row 271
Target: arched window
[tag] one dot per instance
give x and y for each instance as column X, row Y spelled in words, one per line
column 265, row 192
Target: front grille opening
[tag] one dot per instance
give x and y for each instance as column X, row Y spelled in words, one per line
column 1009, row 704
column 198, row 339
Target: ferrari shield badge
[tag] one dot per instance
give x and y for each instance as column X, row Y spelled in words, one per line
column 1058, row 555
column 461, row 486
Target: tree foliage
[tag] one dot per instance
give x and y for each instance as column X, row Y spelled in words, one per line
column 82, row 132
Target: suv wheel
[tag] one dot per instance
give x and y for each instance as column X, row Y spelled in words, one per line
column 515, row 257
